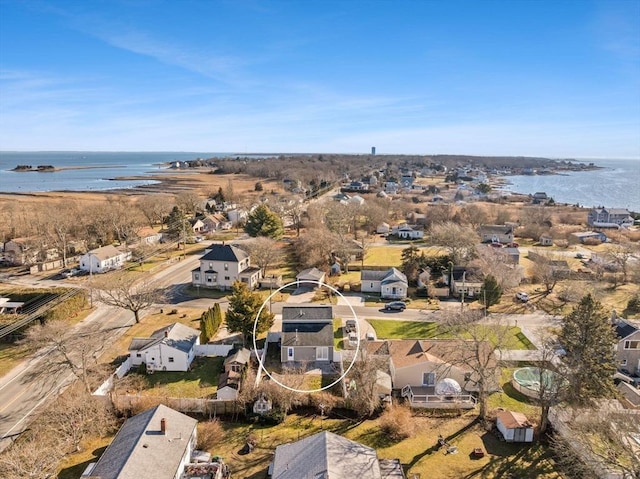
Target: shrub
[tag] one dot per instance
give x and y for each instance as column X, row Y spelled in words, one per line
column 397, row 423
column 209, row 434
column 633, row 306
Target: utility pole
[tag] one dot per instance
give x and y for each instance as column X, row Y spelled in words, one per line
column 464, row 277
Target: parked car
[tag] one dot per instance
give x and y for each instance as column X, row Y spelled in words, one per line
column 370, row 336
column 522, row 296
column 350, row 326
column 353, row 339
column 395, row 306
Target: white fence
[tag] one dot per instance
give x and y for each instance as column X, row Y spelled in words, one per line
column 212, row 349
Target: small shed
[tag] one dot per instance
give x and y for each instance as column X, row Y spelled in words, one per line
column 312, row 274
column 546, row 240
column 514, row 426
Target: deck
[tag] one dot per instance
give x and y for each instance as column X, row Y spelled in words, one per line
column 437, row 401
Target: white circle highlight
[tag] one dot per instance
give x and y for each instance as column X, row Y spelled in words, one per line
column 261, row 366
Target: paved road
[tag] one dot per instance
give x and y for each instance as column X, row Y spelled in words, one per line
column 27, row 387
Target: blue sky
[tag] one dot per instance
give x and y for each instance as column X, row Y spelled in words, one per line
column 550, row 78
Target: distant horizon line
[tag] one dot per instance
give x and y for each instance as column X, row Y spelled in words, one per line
column 576, row 158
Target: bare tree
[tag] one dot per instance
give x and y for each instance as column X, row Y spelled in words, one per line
column 459, row 241
column 189, row 202
column 477, row 349
column 58, row 224
column 603, row 438
column 495, row 262
column 125, row 292
column 71, row 350
column 285, row 398
column 77, row 414
column 620, row 255
column 314, row 248
column 264, row 252
column 34, row 455
column 362, row 382
column 155, row 208
column 543, row 271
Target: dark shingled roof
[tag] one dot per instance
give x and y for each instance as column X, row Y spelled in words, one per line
column 225, row 252
column 624, row 329
column 307, row 312
column 307, row 334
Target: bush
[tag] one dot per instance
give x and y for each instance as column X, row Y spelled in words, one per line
column 633, row 306
column 209, row 434
column 397, row 423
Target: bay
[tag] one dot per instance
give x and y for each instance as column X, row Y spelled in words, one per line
column 90, row 171
column 615, row 185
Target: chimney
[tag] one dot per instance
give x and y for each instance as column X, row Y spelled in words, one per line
column 163, row 426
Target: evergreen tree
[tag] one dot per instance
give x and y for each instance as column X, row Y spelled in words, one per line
column 490, row 292
column 178, row 225
column 589, row 341
column 243, row 310
column 205, row 326
column 264, row 222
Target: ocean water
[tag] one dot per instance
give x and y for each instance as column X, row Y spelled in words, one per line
column 100, row 169
column 616, row 185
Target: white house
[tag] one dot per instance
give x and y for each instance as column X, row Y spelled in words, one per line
column 156, row 443
column 237, row 216
column 171, row 348
column 311, row 274
column 391, row 283
column 514, row 426
column 383, row 228
column 496, row 233
column 222, row 265
column 407, row 232
column 104, row 259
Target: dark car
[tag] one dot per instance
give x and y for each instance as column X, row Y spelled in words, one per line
column 395, row 306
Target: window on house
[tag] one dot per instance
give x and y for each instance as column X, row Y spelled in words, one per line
column 623, row 362
column 428, row 379
column 196, row 276
column 226, row 266
column 210, row 265
column 227, row 278
column 632, row 345
column 138, row 355
column 170, row 360
column 209, row 279
column 236, row 368
column 371, row 286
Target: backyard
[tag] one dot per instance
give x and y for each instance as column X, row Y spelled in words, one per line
column 418, row 454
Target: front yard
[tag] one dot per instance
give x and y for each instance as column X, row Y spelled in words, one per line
column 386, row 329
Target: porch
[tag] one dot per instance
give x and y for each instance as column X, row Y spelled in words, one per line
column 425, row 397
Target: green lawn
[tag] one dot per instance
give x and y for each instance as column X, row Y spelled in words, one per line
column 392, row 255
column 201, row 381
column 417, row 454
column 338, row 334
column 388, row 329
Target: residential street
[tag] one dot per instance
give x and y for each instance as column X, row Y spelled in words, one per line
column 27, row 387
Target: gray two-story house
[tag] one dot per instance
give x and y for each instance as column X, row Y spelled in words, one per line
column 609, row 217
column 307, row 333
column 628, row 347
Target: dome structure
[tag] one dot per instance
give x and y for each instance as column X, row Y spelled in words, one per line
column 448, row 387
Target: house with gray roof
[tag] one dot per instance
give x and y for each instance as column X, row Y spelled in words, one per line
column 609, row 218
column 310, row 276
column 222, row 265
column 155, row 443
column 307, row 333
column 496, row 233
column 628, row 347
column 329, row 456
column 390, row 284
column 171, row 348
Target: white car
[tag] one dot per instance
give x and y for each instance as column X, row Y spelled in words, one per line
column 353, row 339
column 522, row 296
